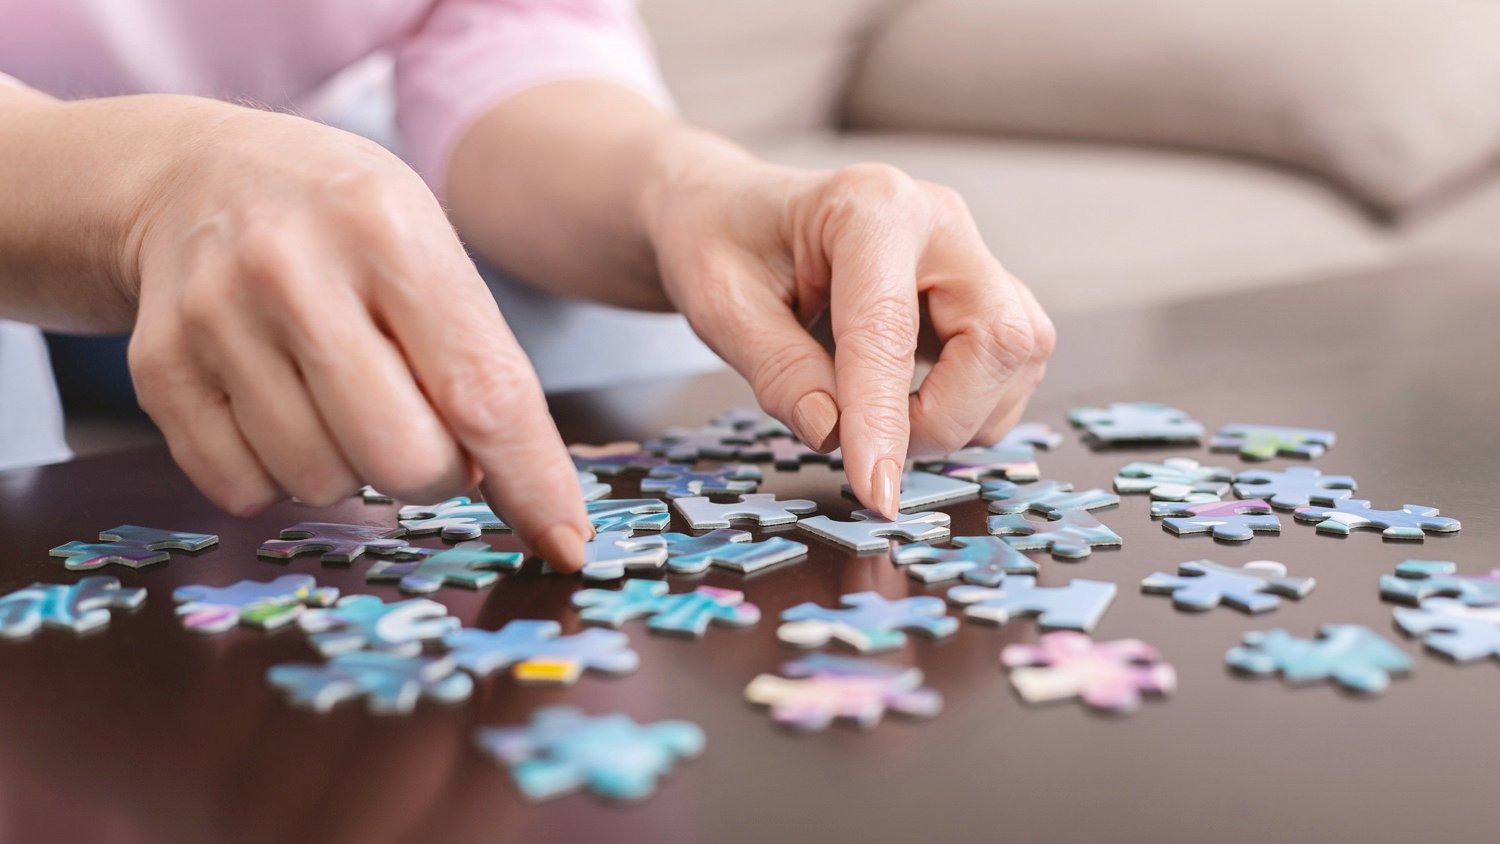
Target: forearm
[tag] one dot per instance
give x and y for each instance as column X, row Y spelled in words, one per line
column 557, row 184
column 75, row 177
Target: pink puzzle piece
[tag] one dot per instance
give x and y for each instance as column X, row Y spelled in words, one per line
column 1107, row 676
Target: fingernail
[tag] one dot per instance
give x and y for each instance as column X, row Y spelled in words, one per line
column 885, row 487
column 815, row 419
column 562, row 547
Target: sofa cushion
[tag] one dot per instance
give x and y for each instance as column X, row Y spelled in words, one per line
column 1092, row 227
column 1392, row 99
column 755, row 70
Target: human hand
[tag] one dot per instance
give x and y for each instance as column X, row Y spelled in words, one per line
column 752, row 254
column 308, row 321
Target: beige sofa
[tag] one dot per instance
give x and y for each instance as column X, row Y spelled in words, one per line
column 1141, row 151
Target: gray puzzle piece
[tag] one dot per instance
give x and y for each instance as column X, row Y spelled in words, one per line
column 1253, row 587
column 761, row 508
column 539, row 652
column 1296, row 486
column 1232, row 521
column 1044, row 497
column 867, row 622
column 338, row 543
column 870, row 531
column 985, row 560
column 727, row 548
column 592, row 487
column 676, row 481
column 609, row 555
column 1069, row 535
column 1453, row 628
column 1174, row 479
column 1410, row 522
column 1136, row 421
column 788, row 454
column 685, row 445
column 1036, row 434
column 457, row 519
column 468, row 564
column 925, row 489
column 1076, row 606
column 613, row 459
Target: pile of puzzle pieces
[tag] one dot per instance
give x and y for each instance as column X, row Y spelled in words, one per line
column 392, row 651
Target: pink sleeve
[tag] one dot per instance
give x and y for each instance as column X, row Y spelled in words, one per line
column 470, row 54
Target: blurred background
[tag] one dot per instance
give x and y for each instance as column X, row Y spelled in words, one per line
column 1113, row 153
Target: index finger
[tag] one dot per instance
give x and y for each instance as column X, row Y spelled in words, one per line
column 481, row 384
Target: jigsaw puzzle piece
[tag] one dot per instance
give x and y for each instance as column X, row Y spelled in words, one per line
column 686, row 445
column 538, row 653
column 266, row 604
column 761, row 508
column 1417, row 580
column 337, row 543
column 727, row 548
column 81, row 607
column 472, row 565
column 977, row 463
column 457, row 519
column 751, row 421
column 1231, row 521
column 676, row 481
column 593, row 488
column 390, row 684
column 563, row 750
column 1409, row 523
column 1107, row 676
column 611, row 554
column 686, row 613
column 867, row 622
column 1296, row 486
column 370, row 495
column 1076, row 606
column 867, row 530
column 1263, row 442
column 985, row 560
column 1174, row 479
column 130, row 546
column 1203, row 584
column 613, row 459
column 628, row 514
column 1355, row 657
column 1136, row 422
column 788, row 454
column 1462, row 632
column 826, row 687
column 365, row 621
column 1044, row 497
column 1034, row 434
column 1068, row 534
column 925, row 489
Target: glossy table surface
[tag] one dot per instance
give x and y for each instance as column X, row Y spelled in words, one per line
column 147, row 732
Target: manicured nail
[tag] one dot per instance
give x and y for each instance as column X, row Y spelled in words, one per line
column 885, row 488
column 815, row 419
column 562, row 547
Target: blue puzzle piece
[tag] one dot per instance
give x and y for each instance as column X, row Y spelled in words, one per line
column 338, row 543
column 727, row 548
column 539, row 653
column 613, row 459
column 1296, row 486
column 79, row 607
column 592, row 487
column 611, row 554
column 1069, row 534
column 1355, row 657
column 1035, row 434
column 1417, row 580
column 1232, row 521
column 390, row 684
column 676, row 481
column 1253, row 587
column 628, row 514
column 1174, row 479
column 867, row 530
column 456, row 519
column 131, row 546
column 687, row 613
column 1044, row 497
column 751, row 421
column 1453, row 628
column 1076, row 606
column 867, row 623
column 365, row 621
column 256, row 603
column 1407, row 523
column 711, row 442
column 1263, row 442
column 471, row 565
column 1136, row 421
column 985, row 560
column 562, row 750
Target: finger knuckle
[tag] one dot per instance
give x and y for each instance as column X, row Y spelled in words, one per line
column 945, row 199
column 872, row 185
column 1006, row 336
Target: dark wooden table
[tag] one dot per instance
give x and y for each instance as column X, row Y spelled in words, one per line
column 146, row 732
